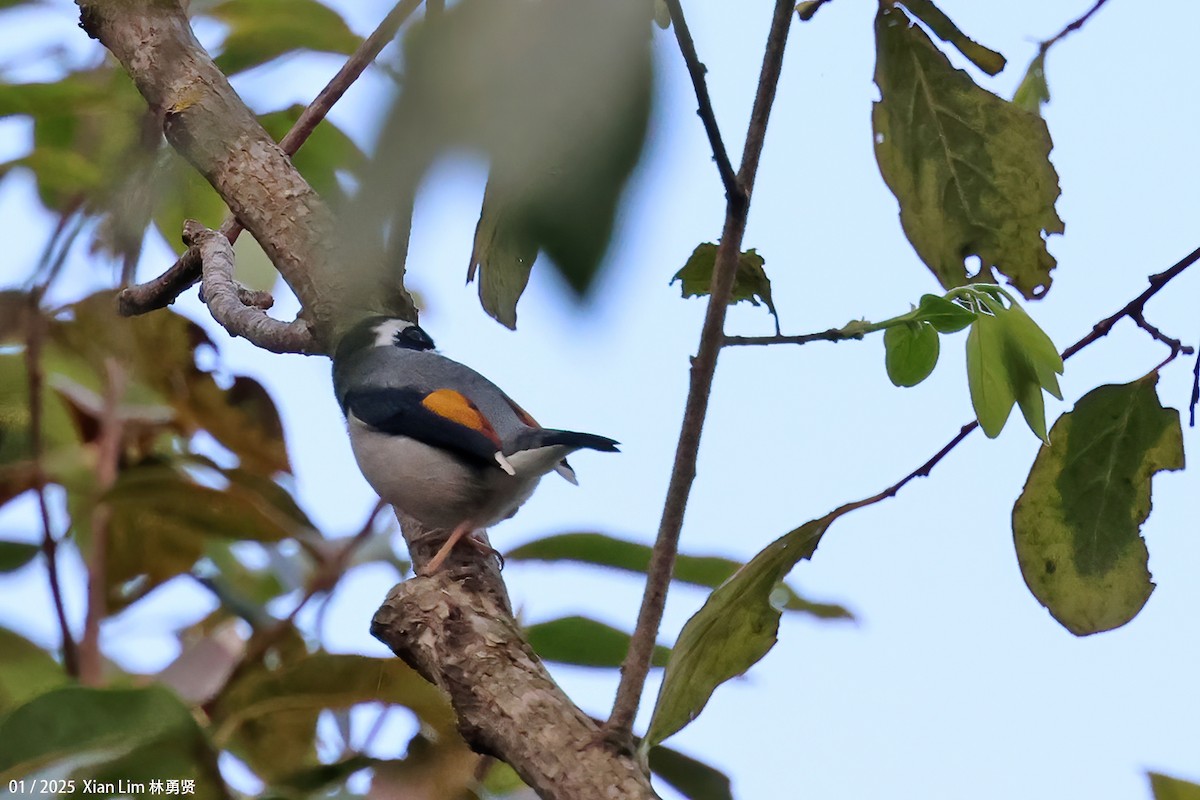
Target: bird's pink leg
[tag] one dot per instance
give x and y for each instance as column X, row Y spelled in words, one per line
column 435, row 563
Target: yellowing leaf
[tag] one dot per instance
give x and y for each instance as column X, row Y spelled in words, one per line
column 987, row 60
column 1077, row 523
column 971, row 171
column 733, row 630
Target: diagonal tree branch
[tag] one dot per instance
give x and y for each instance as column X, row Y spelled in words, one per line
column 205, row 120
column 662, row 562
column 164, row 289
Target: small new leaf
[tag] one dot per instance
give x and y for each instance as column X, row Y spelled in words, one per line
column 1033, row 92
column 992, row 392
column 751, row 283
column 944, row 315
column 911, row 352
column 1077, row 524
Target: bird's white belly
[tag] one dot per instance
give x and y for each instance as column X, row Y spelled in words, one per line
column 433, row 486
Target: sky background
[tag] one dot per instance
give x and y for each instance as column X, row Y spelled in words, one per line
column 953, row 682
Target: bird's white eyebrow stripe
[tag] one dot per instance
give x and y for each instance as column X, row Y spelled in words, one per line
column 385, row 332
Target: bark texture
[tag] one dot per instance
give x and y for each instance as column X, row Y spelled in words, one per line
column 209, row 125
column 467, row 643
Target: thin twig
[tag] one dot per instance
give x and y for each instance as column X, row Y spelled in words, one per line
column 734, row 190
column 1195, row 393
column 831, row 335
column 180, row 276
column 1132, row 309
column 1070, row 28
column 91, row 664
column 35, row 379
column 662, row 561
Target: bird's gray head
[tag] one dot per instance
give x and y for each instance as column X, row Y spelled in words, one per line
column 383, row 332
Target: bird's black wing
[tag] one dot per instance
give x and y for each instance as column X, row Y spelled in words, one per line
column 409, row 412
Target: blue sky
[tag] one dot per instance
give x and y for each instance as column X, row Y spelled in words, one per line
column 954, row 682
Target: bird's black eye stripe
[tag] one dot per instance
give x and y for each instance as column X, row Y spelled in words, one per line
column 413, row 338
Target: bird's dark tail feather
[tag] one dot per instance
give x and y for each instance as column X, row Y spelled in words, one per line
column 591, row 441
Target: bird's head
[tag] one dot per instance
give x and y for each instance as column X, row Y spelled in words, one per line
column 382, row 331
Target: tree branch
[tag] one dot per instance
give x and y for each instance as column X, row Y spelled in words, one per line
column 36, row 379
column 108, row 444
column 205, row 120
column 704, row 364
column 163, row 290
column 227, row 303
column 1133, row 309
column 454, row 636
column 734, row 191
column 830, row 335
column 1070, row 28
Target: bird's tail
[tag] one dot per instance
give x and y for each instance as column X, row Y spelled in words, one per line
column 575, row 440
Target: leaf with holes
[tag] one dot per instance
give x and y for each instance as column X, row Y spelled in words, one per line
column 971, row 171
column 1077, row 524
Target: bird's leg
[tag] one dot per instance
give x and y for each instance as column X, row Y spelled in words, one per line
column 435, row 563
column 486, row 549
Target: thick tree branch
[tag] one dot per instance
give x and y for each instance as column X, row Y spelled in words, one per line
column 205, row 120
column 467, row 643
column 163, row 290
column 704, row 365
column 227, row 299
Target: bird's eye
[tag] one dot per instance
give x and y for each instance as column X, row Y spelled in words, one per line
column 414, row 338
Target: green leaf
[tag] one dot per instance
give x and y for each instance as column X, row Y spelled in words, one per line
column 243, row 418
column 1166, row 788
column 269, row 717
column 992, row 390
column 751, row 283
column 502, row 257
column 556, row 95
column 1035, row 346
column 987, row 60
column 14, row 555
column 693, row 779
column 733, row 630
column 944, row 315
column 1033, row 91
column 911, row 352
column 26, row 671
column 138, row 734
column 601, row 550
column 263, row 30
column 1077, row 523
column 585, row 642
column 161, row 522
column 971, row 171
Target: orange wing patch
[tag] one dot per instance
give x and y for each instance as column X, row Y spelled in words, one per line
column 457, row 407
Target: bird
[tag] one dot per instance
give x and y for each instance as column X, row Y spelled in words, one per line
column 437, row 440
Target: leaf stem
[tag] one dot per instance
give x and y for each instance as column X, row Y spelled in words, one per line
column 662, row 561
